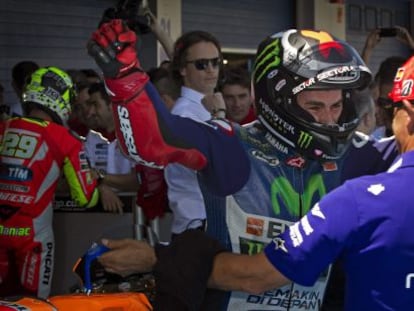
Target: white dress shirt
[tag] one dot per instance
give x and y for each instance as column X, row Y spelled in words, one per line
column 184, row 194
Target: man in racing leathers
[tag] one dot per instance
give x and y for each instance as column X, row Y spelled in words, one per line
column 34, row 150
column 256, row 180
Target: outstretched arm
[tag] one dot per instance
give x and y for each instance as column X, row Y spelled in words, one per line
column 194, row 251
column 149, row 133
column 252, row 274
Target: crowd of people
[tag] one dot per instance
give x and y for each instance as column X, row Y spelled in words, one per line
column 262, row 170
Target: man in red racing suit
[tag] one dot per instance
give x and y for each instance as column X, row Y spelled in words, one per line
column 34, row 150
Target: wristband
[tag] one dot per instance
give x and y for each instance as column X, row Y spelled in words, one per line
column 101, row 176
column 217, row 112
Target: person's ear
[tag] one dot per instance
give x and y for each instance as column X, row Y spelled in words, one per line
column 410, row 112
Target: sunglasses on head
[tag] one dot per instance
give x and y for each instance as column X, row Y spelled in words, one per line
column 202, row 63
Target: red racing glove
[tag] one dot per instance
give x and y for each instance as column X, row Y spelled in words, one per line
column 113, row 48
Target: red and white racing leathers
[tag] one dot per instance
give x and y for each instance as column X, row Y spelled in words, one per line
column 33, row 154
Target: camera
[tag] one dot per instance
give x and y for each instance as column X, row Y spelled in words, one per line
column 130, row 11
column 387, row 32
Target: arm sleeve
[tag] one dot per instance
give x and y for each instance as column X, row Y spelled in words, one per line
column 308, row 246
column 152, row 136
column 367, row 156
column 78, row 174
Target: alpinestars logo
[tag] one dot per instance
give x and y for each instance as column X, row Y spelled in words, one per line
column 304, row 140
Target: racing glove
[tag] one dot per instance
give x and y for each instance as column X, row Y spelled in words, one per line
column 113, row 48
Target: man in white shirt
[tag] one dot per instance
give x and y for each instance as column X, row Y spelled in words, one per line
column 195, row 66
column 115, row 171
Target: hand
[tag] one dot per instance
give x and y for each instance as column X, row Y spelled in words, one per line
column 154, row 25
column 128, row 256
column 215, row 104
column 162, row 36
column 371, row 42
column 110, row 200
column 113, row 48
column 404, row 36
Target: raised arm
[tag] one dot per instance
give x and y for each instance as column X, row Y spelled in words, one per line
column 149, row 133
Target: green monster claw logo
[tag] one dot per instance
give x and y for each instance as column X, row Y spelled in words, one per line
column 304, row 140
column 270, row 52
column 251, row 247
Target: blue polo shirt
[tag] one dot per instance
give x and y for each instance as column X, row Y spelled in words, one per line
column 369, row 221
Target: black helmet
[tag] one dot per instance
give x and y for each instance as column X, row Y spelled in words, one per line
column 293, row 61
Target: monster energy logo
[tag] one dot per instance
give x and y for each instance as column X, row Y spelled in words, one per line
column 304, row 140
column 269, row 53
column 251, row 247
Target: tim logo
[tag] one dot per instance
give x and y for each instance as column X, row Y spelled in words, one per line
column 408, row 280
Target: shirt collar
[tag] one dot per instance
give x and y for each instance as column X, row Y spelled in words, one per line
column 404, row 160
column 191, row 94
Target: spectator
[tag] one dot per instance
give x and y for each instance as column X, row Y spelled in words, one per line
column 32, row 160
column 195, row 67
column 91, row 75
column 168, row 90
column 384, row 80
column 384, row 77
column 77, row 120
column 114, row 171
column 374, row 38
column 272, row 171
column 20, row 72
column 365, row 107
column 4, row 109
column 235, row 87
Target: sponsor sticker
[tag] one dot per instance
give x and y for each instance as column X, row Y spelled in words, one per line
column 254, row 226
column 296, row 161
column 304, row 140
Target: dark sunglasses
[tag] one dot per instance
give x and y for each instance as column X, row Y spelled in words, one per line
column 202, row 63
